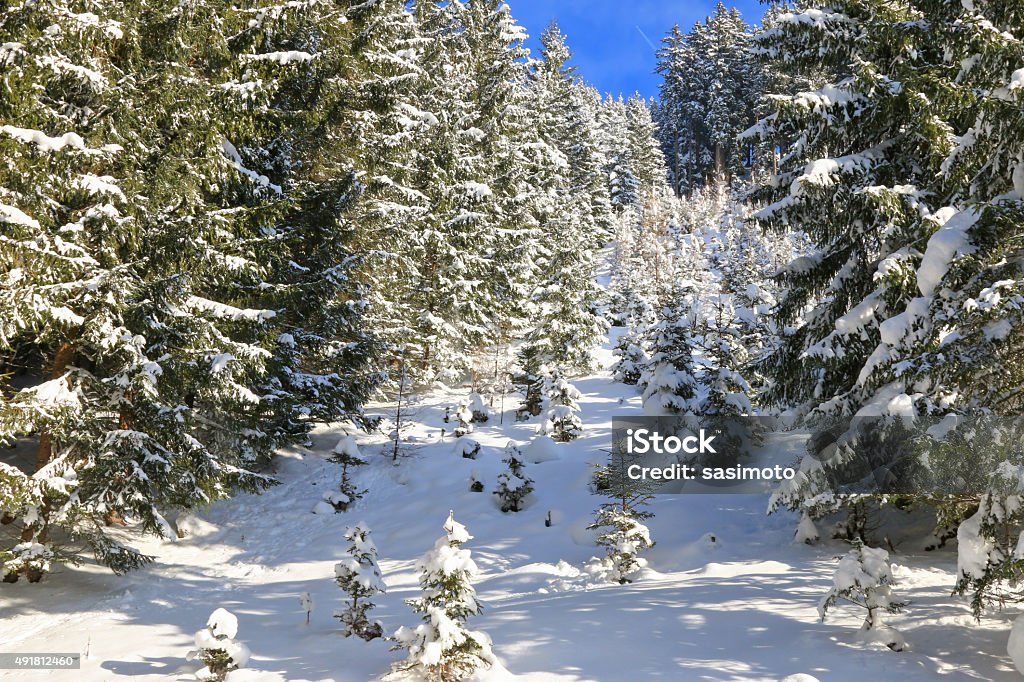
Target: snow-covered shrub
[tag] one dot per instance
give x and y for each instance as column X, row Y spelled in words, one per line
column 441, row 648
column 464, row 415
column 864, row 578
column 359, row 576
column 466, row 447
column 561, row 418
column 346, row 453
column 623, row 536
column 513, row 485
column 478, row 408
column 216, row 647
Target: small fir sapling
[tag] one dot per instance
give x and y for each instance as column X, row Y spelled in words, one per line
column 441, row 647
column 632, row 360
column 464, row 416
column 306, row 604
column 864, row 578
column 346, row 453
column 513, row 484
column 359, row 576
column 623, row 537
column 535, row 394
column 561, row 419
column 475, row 485
column 216, row 647
column 621, row 531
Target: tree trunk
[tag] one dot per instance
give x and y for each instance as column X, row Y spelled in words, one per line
column 720, row 166
column 61, row 361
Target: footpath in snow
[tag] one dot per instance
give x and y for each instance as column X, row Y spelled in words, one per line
column 740, row 607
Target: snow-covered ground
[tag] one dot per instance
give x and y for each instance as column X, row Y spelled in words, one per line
column 741, row 608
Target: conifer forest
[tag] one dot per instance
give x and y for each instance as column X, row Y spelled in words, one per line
column 322, row 323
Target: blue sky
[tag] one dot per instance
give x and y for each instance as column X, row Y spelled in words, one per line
column 609, row 49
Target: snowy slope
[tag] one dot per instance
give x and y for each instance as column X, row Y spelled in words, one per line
column 741, row 608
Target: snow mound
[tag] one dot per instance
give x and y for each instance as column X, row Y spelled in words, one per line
column 541, row 449
column 347, row 446
column 883, row 635
column 249, row 675
column 800, row 677
column 191, row 525
column 323, row 507
column 1015, row 645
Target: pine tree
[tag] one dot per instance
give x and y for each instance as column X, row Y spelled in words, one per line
column 624, row 185
column 724, row 406
column 621, row 531
column 632, row 359
column 561, row 418
column 441, row 647
column 217, row 648
column 358, row 575
column 513, row 485
column 153, row 340
column 670, row 382
column 534, row 383
column 909, row 286
column 864, row 578
column 710, row 93
column 570, row 220
column 346, row 453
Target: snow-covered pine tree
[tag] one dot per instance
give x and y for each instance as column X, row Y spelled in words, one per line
column 916, row 273
column 864, row 578
column 621, row 531
column 586, row 160
column 624, row 537
column 670, row 384
column 346, row 453
column 624, row 186
column 561, row 418
column 513, row 484
column 533, row 383
column 441, row 647
column 724, row 403
column 472, row 75
column 385, row 134
column 855, row 149
column 648, row 162
column 358, row 575
column 710, row 92
column 217, row 648
column 154, row 348
column 673, row 57
column 564, row 323
column 632, row 360
column 301, row 73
